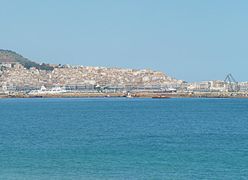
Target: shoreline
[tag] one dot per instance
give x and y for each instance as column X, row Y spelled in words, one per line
column 130, row 95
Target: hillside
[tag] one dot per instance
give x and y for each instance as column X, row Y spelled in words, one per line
column 7, row 56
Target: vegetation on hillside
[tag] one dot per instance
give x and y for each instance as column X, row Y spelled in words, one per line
column 13, row 57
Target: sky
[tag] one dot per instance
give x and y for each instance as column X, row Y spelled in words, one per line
column 193, row 40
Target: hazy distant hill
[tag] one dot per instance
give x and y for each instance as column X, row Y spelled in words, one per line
column 7, row 56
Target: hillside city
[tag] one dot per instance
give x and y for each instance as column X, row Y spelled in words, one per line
column 21, row 75
column 14, row 77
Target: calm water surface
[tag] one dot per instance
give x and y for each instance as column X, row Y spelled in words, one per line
column 123, row 139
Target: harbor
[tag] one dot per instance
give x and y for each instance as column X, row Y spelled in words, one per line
column 20, row 77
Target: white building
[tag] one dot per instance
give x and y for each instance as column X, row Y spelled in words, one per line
column 243, row 86
column 218, row 86
column 199, row 86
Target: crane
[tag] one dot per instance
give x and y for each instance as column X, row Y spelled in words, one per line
column 232, row 84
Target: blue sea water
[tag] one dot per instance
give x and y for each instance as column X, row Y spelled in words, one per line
column 118, row 138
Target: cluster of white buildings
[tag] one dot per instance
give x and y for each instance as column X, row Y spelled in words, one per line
column 215, row 86
column 79, row 78
column 16, row 78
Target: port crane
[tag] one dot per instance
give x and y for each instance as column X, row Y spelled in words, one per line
column 231, row 83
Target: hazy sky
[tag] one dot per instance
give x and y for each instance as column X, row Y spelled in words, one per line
column 191, row 40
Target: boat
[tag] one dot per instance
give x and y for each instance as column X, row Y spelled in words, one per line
column 44, row 90
column 160, row 97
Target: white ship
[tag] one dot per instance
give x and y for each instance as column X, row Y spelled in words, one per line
column 44, row 90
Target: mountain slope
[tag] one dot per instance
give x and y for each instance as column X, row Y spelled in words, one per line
column 7, row 56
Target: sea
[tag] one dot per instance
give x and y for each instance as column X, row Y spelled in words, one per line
column 123, row 138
